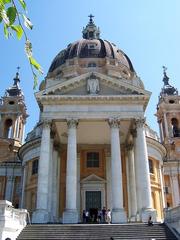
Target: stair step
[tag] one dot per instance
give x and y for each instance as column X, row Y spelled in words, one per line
column 96, row 231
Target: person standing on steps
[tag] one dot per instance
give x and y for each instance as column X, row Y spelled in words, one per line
column 84, row 216
column 150, row 222
column 108, row 216
column 104, row 215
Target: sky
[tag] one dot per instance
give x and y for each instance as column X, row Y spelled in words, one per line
column 146, row 30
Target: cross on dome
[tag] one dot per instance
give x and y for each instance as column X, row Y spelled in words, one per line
column 91, row 18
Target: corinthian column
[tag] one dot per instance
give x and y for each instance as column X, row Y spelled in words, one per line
column 132, row 183
column 142, row 174
column 41, row 214
column 70, row 214
column 118, row 213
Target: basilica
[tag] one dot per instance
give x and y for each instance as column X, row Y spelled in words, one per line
column 92, row 147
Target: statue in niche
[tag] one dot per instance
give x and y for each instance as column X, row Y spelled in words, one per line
column 92, row 84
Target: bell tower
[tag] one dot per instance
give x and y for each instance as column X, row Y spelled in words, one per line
column 12, row 123
column 13, row 113
column 168, row 117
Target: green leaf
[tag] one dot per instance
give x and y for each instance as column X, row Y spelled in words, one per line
column 11, row 13
column 4, row 16
column 18, row 29
column 5, row 1
column 27, row 22
column 6, row 33
column 23, row 4
column 35, row 64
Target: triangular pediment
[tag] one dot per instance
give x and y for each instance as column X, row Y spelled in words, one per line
column 92, row 178
column 97, row 85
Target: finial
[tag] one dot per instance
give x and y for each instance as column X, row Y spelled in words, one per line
column 165, row 78
column 90, row 18
column 16, row 79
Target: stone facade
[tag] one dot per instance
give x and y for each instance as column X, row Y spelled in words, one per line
column 92, row 147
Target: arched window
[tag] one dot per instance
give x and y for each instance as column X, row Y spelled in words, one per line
column 8, row 128
column 151, row 168
column 175, row 129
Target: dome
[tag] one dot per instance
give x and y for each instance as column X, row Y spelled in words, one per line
column 91, row 46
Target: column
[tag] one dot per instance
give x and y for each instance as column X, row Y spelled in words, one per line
column 108, row 177
column 143, row 186
column 166, row 126
column 41, row 214
column 70, row 214
column 23, row 180
column 55, row 185
column 132, row 183
column 175, row 190
column 9, row 188
column 162, row 185
column 118, row 213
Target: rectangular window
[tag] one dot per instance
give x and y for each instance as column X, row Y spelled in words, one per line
column 92, row 160
column 35, row 167
column 166, row 190
column 151, row 168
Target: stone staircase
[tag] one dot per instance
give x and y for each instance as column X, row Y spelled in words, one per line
column 96, row 232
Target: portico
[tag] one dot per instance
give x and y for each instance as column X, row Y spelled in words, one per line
column 85, row 133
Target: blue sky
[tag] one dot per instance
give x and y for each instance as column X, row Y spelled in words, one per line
column 147, row 31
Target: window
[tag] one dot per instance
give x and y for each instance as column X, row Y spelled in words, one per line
column 151, row 169
column 8, row 128
column 35, row 167
column 91, row 64
column 92, row 160
column 166, row 190
column 176, row 130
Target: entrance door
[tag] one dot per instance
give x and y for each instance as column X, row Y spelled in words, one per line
column 93, row 203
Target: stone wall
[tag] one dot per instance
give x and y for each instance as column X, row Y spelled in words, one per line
column 12, row 220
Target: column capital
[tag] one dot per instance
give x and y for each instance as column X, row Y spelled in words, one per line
column 129, row 146
column 72, row 123
column 114, row 122
column 46, row 123
column 140, row 122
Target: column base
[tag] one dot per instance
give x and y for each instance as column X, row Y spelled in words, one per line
column 70, row 216
column 133, row 219
column 40, row 216
column 119, row 216
column 146, row 213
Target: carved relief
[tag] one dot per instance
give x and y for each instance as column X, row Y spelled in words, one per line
column 92, row 85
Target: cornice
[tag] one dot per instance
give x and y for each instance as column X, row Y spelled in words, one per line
column 159, row 147
column 28, row 146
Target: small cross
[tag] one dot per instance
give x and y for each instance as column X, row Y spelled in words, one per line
column 90, row 18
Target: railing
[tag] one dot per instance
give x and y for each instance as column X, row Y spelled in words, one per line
column 172, row 219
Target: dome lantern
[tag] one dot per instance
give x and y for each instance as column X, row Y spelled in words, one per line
column 91, row 31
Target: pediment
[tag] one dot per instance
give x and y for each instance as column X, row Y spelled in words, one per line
column 105, row 85
column 92, row 178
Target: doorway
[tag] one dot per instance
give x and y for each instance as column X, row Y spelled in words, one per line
column 93, row 203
